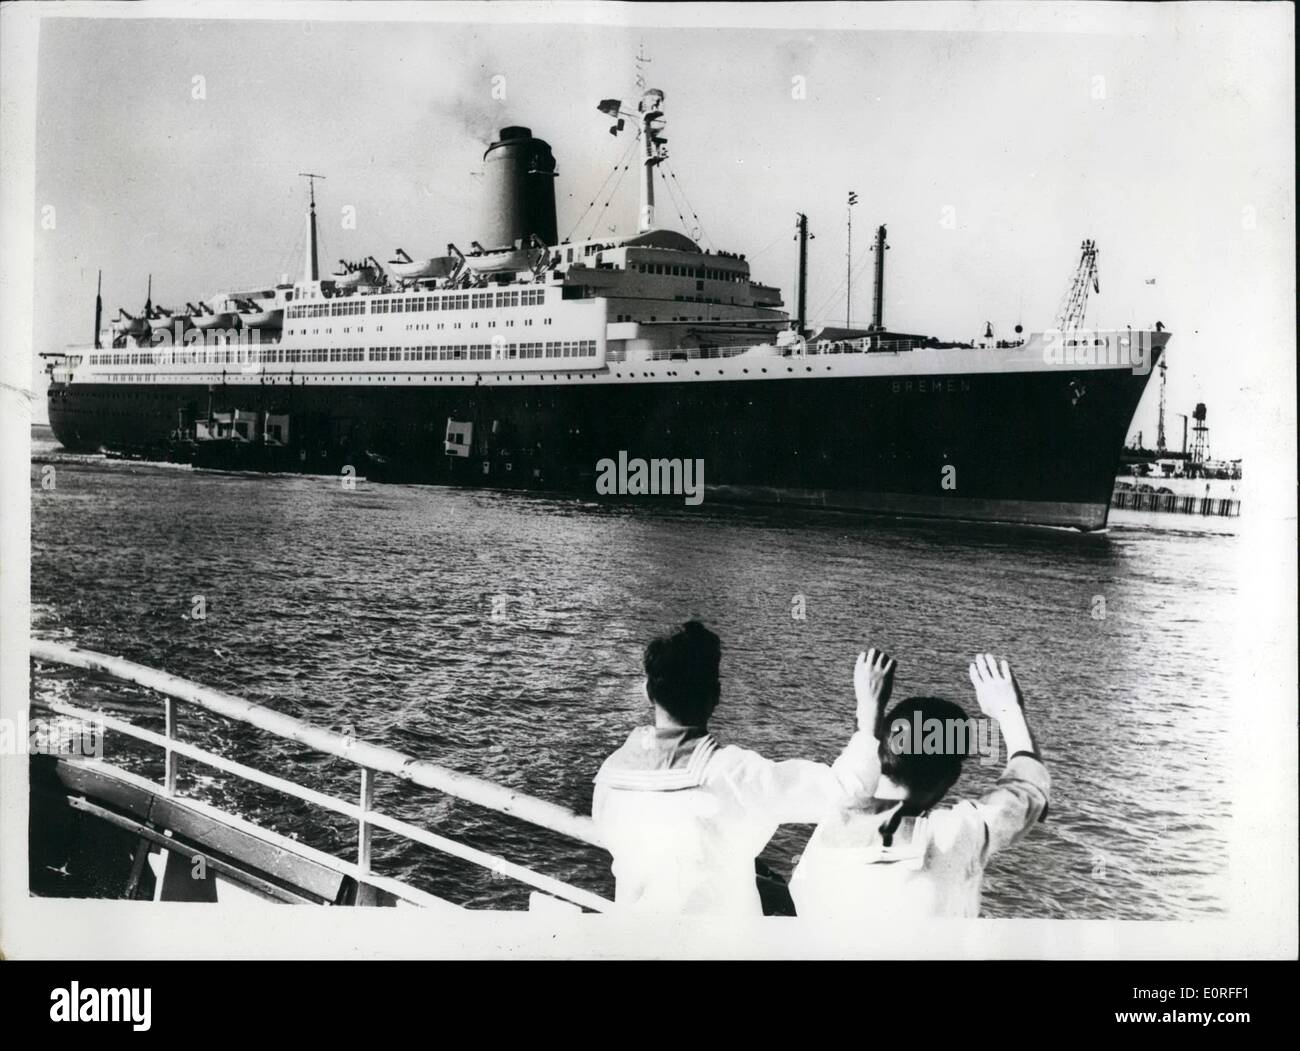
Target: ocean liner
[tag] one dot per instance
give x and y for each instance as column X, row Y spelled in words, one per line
column 526, row 361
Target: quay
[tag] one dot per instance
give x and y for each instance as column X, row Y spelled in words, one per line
column 1175, row 503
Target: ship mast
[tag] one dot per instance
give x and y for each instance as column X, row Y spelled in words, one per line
column 802, row 236
column 878, row 306
column 848, row 265
column 311, row 268
column 653, row 150
column 649, row 117
column 653, row 153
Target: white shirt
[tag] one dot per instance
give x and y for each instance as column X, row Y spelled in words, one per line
column 935, row 864
column 684, row 818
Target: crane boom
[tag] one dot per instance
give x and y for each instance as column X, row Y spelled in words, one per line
column 1076, row 300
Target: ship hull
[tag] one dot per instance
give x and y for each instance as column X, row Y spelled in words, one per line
column 1036, row 447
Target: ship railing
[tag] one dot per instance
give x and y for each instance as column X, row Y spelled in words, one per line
column 865, row 345
column 370, row 759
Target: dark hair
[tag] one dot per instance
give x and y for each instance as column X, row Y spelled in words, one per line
column 906, row 760
column 682, row 673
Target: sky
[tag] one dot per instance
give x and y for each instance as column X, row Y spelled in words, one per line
column 989, row 155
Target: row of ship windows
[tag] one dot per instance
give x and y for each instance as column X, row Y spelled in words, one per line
column 707, row 272
column 463, row 377
column 344, row 308
column 415, row 326
column 527, row 297
column 660, row 375
column 455, row 352
column 655, row 317
column 576, row 348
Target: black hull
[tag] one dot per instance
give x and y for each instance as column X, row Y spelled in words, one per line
column 1040, row 447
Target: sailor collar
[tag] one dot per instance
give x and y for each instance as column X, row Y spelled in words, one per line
column 660, row 759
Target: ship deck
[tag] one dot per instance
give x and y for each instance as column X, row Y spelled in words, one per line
column 107, row 831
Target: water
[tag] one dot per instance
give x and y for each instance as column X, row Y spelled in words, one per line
column 500, row 635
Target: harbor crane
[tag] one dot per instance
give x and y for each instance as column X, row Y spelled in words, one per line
column 1076, row 300
column 1160, row 420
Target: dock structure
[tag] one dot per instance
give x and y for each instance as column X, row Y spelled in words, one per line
column 1176, row 503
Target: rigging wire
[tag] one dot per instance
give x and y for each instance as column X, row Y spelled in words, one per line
column 321, row 252
column 620, row 163
column 596, row 196
column 769, row 246
column 296, row 251
column 694, row 214
column 1064, row 301
column 672, row 198
column 609, row 200
column 839, row 289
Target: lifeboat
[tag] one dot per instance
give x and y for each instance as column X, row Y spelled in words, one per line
column 351, row 276
column 268, row 318
column 215, row 319
column 509, row 259
column 407, row 269
column 349, row 282
column 126, row 325
column 260, row 309
column 165, row 321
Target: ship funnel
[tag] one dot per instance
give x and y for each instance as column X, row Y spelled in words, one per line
column 519, row 190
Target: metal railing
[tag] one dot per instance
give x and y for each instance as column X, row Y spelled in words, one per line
column 808, row 348
column 1176, row 503
column 372, row 760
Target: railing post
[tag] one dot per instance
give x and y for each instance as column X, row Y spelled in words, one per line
column 169, row 756
column 363, row 826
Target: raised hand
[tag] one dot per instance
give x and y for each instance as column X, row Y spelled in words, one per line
column 996, row 688
column 873, row 679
